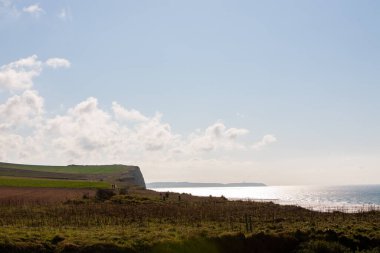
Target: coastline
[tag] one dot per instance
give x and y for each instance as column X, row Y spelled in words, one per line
column 343, row 198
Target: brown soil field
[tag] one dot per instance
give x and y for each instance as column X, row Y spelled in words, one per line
column 20, row 195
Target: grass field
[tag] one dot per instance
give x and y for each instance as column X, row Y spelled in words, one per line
column 75, row 169
column 144, row 221
column 66, row 215
column 51, row 183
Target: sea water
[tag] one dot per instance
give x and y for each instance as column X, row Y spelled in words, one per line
column 350, row 198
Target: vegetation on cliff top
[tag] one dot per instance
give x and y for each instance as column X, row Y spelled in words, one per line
column 76, row 169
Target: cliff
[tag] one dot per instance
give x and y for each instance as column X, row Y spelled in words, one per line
column 121, row 175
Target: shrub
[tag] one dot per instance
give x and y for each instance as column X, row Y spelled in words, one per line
column 104, row 194
column 323, row 247
column 86, row 195
column 57, row 239
column 123, row 191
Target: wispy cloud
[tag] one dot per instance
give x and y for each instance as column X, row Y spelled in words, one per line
column 8, row 9
column 58, row 63
column 266, row 140
column 65, row 14
column 34, row 10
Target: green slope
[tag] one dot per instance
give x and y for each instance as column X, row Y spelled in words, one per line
column 75, row 169
column 38, row 182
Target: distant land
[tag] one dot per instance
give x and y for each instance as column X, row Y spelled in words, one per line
column 188, row 184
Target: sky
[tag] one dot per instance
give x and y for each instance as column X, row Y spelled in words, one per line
column 278, row 92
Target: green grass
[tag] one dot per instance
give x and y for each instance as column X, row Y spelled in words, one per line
column 76, row 169
column 38, row 182
column 146, row 223
column 142, row 221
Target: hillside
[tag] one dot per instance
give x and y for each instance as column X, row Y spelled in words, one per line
column 121, row 175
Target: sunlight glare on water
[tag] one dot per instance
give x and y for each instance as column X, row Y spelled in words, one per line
column 322, row 198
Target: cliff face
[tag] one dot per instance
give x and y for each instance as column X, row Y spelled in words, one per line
column 122, row 175
column 133, row 177
column 129, row 176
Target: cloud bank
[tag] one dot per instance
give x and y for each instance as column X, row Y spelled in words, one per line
column 87, row 134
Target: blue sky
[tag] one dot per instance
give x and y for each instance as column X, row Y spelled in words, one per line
column 305, row 74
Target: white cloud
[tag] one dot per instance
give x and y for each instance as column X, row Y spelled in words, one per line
column 34, row 10
column 217, row 136
column 18, row 75
column 86, row 133
column 24, row 109
column 266, row 140
column 233, row 133
column 216, row 130
column 123, row 114
column 58, row 63
column 155, row 134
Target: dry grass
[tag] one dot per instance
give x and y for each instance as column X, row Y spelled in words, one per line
column 143, row 219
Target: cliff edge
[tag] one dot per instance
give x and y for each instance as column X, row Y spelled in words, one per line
column 121, row 175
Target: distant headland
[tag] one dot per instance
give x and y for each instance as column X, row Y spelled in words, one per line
column 188, row 184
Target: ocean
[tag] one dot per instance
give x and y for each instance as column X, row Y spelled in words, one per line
column 348, row 198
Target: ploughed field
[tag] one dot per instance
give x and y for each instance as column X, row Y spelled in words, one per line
column 41, row 195
column 50, row 183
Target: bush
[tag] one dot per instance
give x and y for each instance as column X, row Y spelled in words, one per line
column 104, row 194
column 123, row 191
column 57, row 239
column 323, row 247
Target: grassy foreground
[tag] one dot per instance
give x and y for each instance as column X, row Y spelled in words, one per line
column 146, row 221
column 50, row 183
